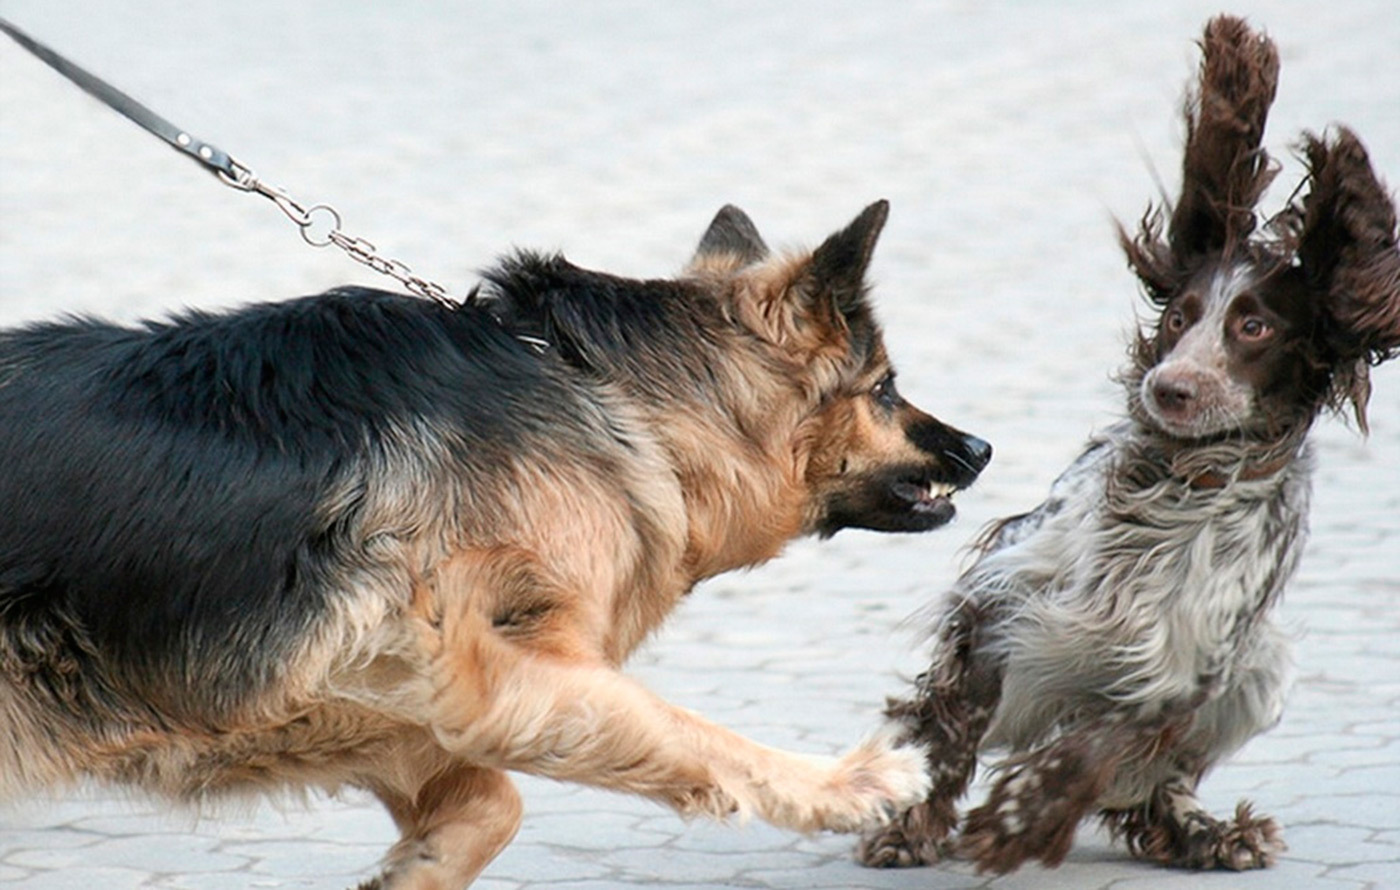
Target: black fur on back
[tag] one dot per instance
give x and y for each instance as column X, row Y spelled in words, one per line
column 159, row 484
column 660, row 334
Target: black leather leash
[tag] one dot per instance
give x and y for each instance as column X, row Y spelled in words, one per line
column 212, row 158
column 319, row 223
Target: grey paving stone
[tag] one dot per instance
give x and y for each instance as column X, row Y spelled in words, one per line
column 1286, row 875
column 599, row 829
column 754, row 837
column 536, row 863
column 1379, row 780
column 155, row 852
column 81, row 878
column 1377, row 875
column 844, row 875
column 1386, row 837
column 243, row 881
column 667, row 865
column 609, row 885
column 302, row 857
column 1379, row 809
column 13, row 840
column 1336, row 844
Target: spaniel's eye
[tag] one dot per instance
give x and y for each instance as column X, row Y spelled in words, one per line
column 1252, row 327
column 1175, row 321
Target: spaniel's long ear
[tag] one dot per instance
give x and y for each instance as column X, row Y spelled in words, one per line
column 1347, row 248
column 1224, row 170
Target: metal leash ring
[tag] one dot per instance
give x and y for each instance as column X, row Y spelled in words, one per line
column 316, row 240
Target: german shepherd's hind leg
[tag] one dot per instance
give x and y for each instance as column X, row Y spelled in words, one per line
column 451, row 829
column 539, row 702
column 947, row 717
column 1173, row 829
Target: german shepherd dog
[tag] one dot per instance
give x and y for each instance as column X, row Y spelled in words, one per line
column 1117, row 642
column 361, row 539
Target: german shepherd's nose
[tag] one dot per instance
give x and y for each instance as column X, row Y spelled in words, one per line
column 972, row 456
column 960, row 456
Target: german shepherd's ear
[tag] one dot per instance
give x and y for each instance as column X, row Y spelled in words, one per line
column 826, row 302
column 812, row 303
column 1347, row 248
column 1224, row 170
column 730, row 243
column 837, row 268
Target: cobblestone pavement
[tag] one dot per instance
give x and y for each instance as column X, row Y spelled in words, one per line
column 1006, row 135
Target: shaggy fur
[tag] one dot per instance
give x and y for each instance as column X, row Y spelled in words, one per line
column 1115, row 643
column 360, row 539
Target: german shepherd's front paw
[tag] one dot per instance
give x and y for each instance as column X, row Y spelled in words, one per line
column 873, row 784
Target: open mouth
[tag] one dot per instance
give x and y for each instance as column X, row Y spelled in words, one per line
column 931, row 501
column 900, row 499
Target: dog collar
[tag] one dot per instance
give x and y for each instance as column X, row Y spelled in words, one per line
column 1215, row 479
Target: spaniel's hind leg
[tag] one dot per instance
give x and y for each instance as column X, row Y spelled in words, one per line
column 1038, row 801
column 1041, row 796
column 947, row 717
column 1172, row 828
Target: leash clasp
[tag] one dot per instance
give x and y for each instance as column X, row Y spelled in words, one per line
column 241, row 177
column 319, row 225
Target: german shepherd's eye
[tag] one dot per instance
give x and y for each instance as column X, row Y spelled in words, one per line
column 884, row 393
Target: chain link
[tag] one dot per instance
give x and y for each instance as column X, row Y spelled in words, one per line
column 311, row 220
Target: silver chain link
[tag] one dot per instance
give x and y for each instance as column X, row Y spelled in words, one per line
column 320, row 227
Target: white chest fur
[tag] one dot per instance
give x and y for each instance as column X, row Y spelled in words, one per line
column 1109, row 599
